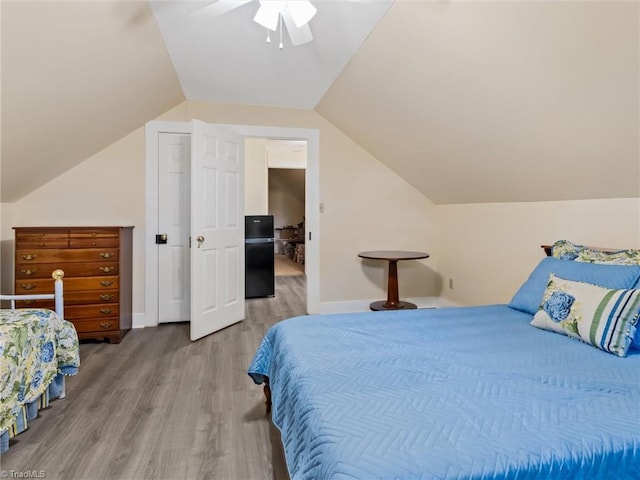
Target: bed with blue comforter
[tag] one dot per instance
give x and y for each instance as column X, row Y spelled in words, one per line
column 455, row 393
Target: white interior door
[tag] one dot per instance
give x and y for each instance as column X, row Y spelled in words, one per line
column 217, row 228
column 174, row 216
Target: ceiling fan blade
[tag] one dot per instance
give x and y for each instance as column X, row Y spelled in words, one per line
column 220, row 7
column 302, row 11
column 269, row 12
column 298, row 35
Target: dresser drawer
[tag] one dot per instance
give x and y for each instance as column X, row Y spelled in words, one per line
column 42, row 239
column 44, row 270
column 75, row 312
column 50, row 242
column 86, row 326
column 89, row 297
column 43, row 285
column 36, row 304
column 30, row 256
column 99, row 242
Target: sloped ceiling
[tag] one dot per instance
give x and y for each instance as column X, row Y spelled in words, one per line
column 225, row 58
column 469, row 101
column 499, row 101
column 76, row 77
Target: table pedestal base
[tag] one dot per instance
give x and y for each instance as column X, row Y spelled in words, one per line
column 378, row 306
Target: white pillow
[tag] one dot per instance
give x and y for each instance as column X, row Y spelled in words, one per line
column 599, row 316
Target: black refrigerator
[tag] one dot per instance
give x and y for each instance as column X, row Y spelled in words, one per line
column 259, row 256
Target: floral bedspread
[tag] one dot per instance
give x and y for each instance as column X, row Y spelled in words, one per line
column 35, row 345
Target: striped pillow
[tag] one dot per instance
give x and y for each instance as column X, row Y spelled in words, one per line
column 599, row 316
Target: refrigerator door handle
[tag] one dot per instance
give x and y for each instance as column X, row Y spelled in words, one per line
column 259, row 240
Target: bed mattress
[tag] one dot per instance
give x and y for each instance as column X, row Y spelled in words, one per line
column 458, row 393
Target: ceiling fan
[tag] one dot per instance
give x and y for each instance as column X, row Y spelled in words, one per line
column 295, row 14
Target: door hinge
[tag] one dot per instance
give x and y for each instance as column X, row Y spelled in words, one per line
column 189, row 241
column 309, row 236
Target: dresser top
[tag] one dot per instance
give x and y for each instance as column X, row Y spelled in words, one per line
column 86, row 227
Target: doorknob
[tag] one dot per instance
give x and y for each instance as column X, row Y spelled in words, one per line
column 199, row 239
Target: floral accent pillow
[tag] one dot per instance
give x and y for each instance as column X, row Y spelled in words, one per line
column 565, row 250
column 598, row 316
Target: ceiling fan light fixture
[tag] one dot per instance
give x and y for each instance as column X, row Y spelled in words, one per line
column 302, row 11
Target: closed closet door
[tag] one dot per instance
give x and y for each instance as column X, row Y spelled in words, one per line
column 174, row 216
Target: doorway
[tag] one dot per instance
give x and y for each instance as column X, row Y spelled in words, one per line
column 287, row 165
column 311, row 208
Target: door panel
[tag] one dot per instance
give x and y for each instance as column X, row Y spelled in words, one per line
column 217, row 232
column 231, row 287
column 174, row 205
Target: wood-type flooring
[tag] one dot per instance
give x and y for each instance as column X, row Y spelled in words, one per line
column 158, row 406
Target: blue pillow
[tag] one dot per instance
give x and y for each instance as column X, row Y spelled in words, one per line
column 529, row 296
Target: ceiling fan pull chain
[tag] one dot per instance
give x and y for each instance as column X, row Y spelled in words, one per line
column 268, row 36
column 281, row 45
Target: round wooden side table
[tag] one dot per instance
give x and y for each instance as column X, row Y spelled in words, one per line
column 392, row 256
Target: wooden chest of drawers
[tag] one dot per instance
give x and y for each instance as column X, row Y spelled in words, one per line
column 97, row 275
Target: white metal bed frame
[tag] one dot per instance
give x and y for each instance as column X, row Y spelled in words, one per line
column 57, row 296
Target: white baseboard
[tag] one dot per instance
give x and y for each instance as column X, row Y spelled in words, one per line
column 432, row 302
column 363, row 305
column 138, row 320
column 345, row 307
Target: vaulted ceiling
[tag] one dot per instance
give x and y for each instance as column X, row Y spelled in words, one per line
column 469, row 101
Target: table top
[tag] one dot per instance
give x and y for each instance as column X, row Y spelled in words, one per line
column 393, row 255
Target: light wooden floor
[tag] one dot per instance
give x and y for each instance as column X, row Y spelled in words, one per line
column 285, row 266
column 158, row 406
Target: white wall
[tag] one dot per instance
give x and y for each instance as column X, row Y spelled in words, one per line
column 6, row 248
column 256, row 177
column 367, row 206
column 285, row 208
column 286, row 154
column 106, row 189
column 490, row 249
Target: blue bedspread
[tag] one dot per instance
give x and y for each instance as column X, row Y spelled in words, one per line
column 459, row 393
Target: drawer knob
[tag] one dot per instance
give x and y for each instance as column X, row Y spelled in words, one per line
column 29, row 256
column 106, row 283
column 106, row 298
column 107, row 269
column 105, row 325
column 106, row 311
column 106, row 255
column 28, row 286
column 28, row 272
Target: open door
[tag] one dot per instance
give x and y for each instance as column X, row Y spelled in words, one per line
column 217, row 228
